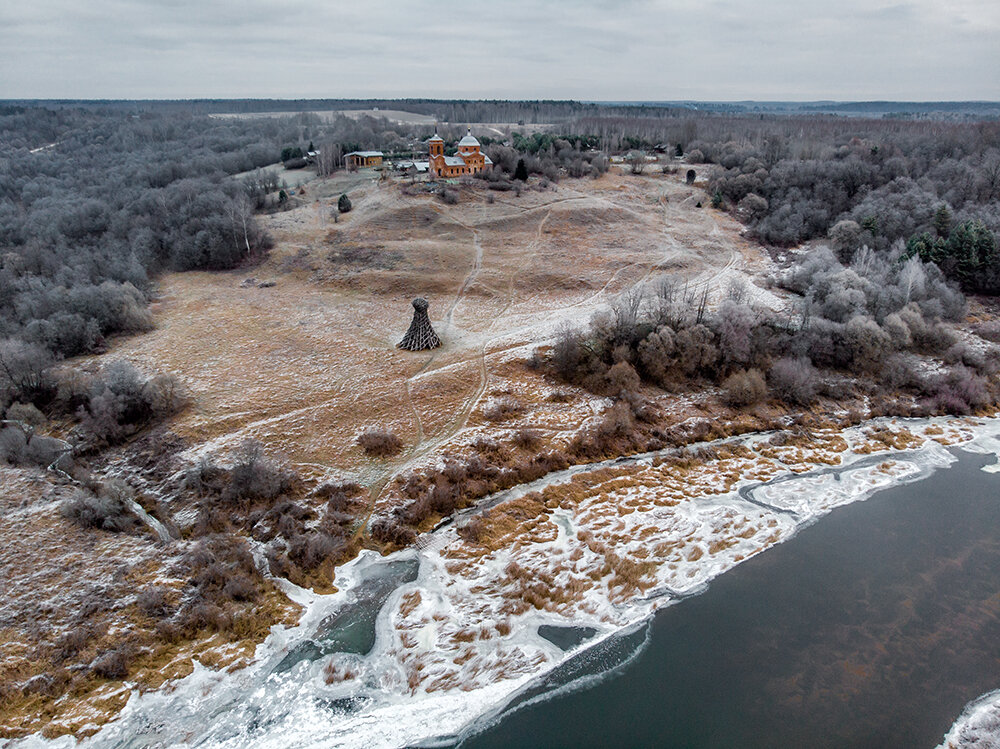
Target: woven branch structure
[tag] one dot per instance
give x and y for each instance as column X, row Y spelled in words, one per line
column 421, row 335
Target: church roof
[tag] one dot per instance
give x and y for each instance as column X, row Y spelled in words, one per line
column 468, row 140
column 436, row 138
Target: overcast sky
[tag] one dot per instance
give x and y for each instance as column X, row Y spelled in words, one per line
column 579, row 49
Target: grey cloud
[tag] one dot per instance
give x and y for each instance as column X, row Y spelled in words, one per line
column 589, row 49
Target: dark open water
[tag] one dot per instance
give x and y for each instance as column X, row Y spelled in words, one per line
column 872, row 628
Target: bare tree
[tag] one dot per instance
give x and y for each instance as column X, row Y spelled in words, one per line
column 328, row 159
column 240, row 211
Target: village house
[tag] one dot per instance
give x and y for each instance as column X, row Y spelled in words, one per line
column 469, row 159
column 360, row 159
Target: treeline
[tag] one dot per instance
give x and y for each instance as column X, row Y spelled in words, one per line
column 884, row 183
column 444, row 110
column 110, row 201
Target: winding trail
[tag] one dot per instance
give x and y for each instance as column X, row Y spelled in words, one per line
column 425, row 445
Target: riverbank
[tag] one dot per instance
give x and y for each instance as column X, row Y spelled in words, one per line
column 597, row 551
column 872, row 627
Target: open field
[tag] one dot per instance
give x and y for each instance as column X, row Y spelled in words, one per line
column 401, row 117
column 305, row 365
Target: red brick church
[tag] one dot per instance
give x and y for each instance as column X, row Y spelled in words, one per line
column 469, row 159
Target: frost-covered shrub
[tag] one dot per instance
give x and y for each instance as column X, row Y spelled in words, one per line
column 380, row 442
column 503, row 408
column 387, row 531
column 13, row 445
column 310, row 550
column 121, row 400
column 26, row 413
column 153, row 601
column 106, row 511
column 793, row 380
column 526, row 439
column 744, row 388
column 960, row 391
column 256, row 476
column 112, row 664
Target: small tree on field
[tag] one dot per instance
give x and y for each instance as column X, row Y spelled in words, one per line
column 521, row 171
column 344, row 204
column 744, row 388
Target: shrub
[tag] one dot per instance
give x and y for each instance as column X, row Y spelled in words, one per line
column 112, row 664
column 526, row 439
column 449, row 196
column 310, row 550
column 121, row 400
column 387, row 531
column 794, row 380
column 107, row 511
column 13, row 445
column 26, row 413
column 256, row 476
column 502, row 409
column 744, row 388
column 239, row 587
column 72, row 642
column 153, row 602
column 24, row 372
column 960, row 391
column 380, row 443
column 622, row 379
column 472, row 531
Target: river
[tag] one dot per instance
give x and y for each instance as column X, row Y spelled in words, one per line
column 871, row 628
column 862, row 623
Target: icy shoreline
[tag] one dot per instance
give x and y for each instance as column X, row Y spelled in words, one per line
column 455, row 646
column 978, row 727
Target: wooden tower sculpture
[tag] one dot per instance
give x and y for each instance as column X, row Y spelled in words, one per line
column 421, row 335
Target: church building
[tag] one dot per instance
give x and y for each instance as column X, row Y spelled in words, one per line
column 469, row 159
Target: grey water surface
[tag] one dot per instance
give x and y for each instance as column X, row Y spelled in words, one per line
column 872, row 628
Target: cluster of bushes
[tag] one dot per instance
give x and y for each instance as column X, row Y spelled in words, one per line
column 458, row 482
column 545, row 155
column 20, row 445
column 868, row 319
column 110, row 406
column 223, row 583
column 107, row 509
column 119, row 401
column 257, row 495
column 254, row 478
column 379, row 442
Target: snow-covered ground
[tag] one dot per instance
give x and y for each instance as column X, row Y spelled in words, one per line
column 600, row 548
